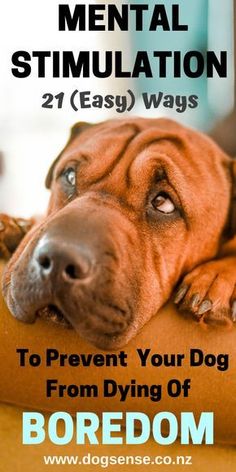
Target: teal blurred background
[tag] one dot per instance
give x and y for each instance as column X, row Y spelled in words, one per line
column 210, row 25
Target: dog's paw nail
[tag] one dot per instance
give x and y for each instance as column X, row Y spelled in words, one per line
column 234, row 311
column 195, row 300
column 181, row 293
column 205, row 306
column 2, row 226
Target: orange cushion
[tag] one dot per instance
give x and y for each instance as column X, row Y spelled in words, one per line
column 211, row 390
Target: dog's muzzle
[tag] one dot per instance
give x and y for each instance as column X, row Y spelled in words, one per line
column 75, row 273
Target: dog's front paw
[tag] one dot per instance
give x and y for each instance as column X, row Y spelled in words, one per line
column 209, row 291
column 12, row 230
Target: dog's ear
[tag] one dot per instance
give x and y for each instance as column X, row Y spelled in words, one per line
column 231, row 225
column 75, row 131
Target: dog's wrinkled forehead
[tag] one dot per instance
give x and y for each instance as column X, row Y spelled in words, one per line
column 89, row 142
column 122, row 157
column 142, row 144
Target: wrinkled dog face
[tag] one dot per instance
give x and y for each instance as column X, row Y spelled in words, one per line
column 134, row 205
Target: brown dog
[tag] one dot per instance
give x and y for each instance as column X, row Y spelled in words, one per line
column 136, row 204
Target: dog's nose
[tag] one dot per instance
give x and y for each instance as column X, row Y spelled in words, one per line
column 55, row 258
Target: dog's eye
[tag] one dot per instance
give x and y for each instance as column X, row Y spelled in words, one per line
column 70, row 176
column 68, row 180
column 163, row 203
